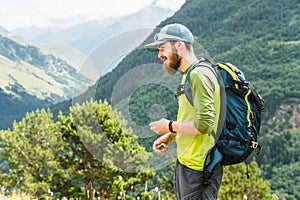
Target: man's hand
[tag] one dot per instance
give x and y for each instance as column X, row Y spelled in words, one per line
column 160, row 127
column 161, row 144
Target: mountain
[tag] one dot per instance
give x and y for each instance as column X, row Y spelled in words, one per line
column 66, row 52
column 61, row 50
column 87, row 35
column 259, row 37
column 31, row 79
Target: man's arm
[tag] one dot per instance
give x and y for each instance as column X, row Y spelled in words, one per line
column 203, row 98
column 162, row 127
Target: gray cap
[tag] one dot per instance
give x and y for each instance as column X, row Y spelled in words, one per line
column 171, row 32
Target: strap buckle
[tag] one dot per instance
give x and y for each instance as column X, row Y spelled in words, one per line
column 180, row 91
column 254, row 145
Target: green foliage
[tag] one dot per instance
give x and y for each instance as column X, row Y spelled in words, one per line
column 32, row 149
column 16, row 195
column 11, row 107
column 280, row 162
column 101, row 150
column 283, row 186
column 286, row 151
column 259, row 37
column 147, row 96
column 235, row 183
column 80, row 156
column 145, row 106
column 165, row 178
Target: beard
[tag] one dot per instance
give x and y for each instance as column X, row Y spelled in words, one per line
column 174, row 64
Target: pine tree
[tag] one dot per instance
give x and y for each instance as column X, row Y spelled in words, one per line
column 101, row 150
column 235, row 183
column 88, row 153
column 31, row 148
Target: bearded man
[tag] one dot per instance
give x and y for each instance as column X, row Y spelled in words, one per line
column 194, row 123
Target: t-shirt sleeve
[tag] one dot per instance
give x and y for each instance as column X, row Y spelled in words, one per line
column 203, row 98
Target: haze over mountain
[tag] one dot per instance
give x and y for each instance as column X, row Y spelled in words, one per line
column 42, row 63
column 87, row 35
column 31, row 78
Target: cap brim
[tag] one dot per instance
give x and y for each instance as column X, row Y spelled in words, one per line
column 154, row 45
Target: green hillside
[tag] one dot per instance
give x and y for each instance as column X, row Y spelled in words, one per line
column 259, row 37
column 31, row 79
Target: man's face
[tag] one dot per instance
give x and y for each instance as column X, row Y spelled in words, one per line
column 168, row 53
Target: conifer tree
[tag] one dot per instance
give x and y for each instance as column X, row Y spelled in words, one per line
column 32, row 149
column 102, row 151
column 235, row 184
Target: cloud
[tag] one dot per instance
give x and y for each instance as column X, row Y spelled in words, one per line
column 24, row 13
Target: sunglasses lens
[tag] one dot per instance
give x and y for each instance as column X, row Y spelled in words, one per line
column 155, row 37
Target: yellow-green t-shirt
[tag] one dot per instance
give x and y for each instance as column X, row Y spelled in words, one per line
column 192, row 150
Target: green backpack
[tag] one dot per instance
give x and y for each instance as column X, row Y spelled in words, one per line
column 239, row 127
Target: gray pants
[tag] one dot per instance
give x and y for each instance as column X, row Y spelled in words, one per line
column 188, row 183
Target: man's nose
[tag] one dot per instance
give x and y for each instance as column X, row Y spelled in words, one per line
column 159, row 54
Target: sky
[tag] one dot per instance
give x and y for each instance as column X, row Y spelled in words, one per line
column 41, row 13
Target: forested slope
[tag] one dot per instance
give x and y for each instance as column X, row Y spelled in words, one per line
column 262, row 39
column 259, row 37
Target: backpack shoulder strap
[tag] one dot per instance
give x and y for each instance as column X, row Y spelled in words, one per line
column 187, row 86
column 203, row 62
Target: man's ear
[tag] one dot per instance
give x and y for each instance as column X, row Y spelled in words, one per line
column 179, row 44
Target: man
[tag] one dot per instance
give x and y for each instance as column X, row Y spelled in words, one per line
column 194, row 124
